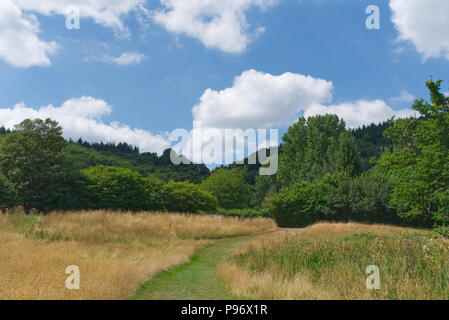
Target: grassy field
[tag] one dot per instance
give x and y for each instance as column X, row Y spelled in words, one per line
column 328, row 261
column 116, row 252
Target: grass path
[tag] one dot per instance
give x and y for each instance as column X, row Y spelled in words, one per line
column 196, row 280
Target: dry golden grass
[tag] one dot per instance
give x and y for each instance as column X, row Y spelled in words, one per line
column 328, row 261
column 268, row 286
column 116, row 252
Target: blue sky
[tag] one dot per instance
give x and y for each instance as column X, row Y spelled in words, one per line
column 173, row 62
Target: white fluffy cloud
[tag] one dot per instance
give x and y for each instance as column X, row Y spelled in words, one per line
column 359, row 113
column 81, row 117
column 425, row 24
column 219, row 24
column 127, row 58
column 19, row 44
column 261, row 100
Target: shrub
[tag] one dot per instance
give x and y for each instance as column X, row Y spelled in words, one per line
column 297, row 206
column 115, row 188
column 229, row 187
column 156, row 194
column 188, row 197
column 363, row 199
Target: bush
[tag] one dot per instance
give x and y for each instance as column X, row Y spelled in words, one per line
column 115, row 188
column 297, row 206
column 156, row 194
column 229, row 187
column 188, row 197
column 336, row 197
column 363, row 199
column 8, row 195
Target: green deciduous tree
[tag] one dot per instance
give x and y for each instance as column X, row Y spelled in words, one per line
column 317, row 146
column 9, row 197
column 419, row 164
column 229, row 187
column 33, row 159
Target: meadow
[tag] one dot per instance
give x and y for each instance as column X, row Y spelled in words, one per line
column 329, row 261
column 115, row 251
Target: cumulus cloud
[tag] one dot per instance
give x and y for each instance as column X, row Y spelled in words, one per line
column 127, row 58
column 258, row 100
column 216, row 23
column 424, row 24
column 19, row 44
column 359, row 113
column 262, row 100
column 81, row 118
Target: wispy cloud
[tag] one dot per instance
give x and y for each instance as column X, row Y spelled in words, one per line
column 404, row 96
column 127, row 58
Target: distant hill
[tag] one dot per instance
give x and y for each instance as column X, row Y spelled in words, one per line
column 252, row 169
column 82, row 155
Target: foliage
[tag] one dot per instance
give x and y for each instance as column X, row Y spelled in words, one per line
column 364, row 199
column 336, row 197
column 111, row 147
column 156, row 194
column 9, row 197
column 147, row 164
column 115, row 188
column 188, row 197
column 229, row 187
column 264, row 185
column 4, row 131
column 33, row 159
column 372, row 142
column 314, row 147
column 419, row 164
column 297, row 206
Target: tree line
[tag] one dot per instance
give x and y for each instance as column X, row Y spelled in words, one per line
column 395, row 172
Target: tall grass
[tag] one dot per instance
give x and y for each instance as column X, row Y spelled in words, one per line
column 116, row 252
column 328, row 261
